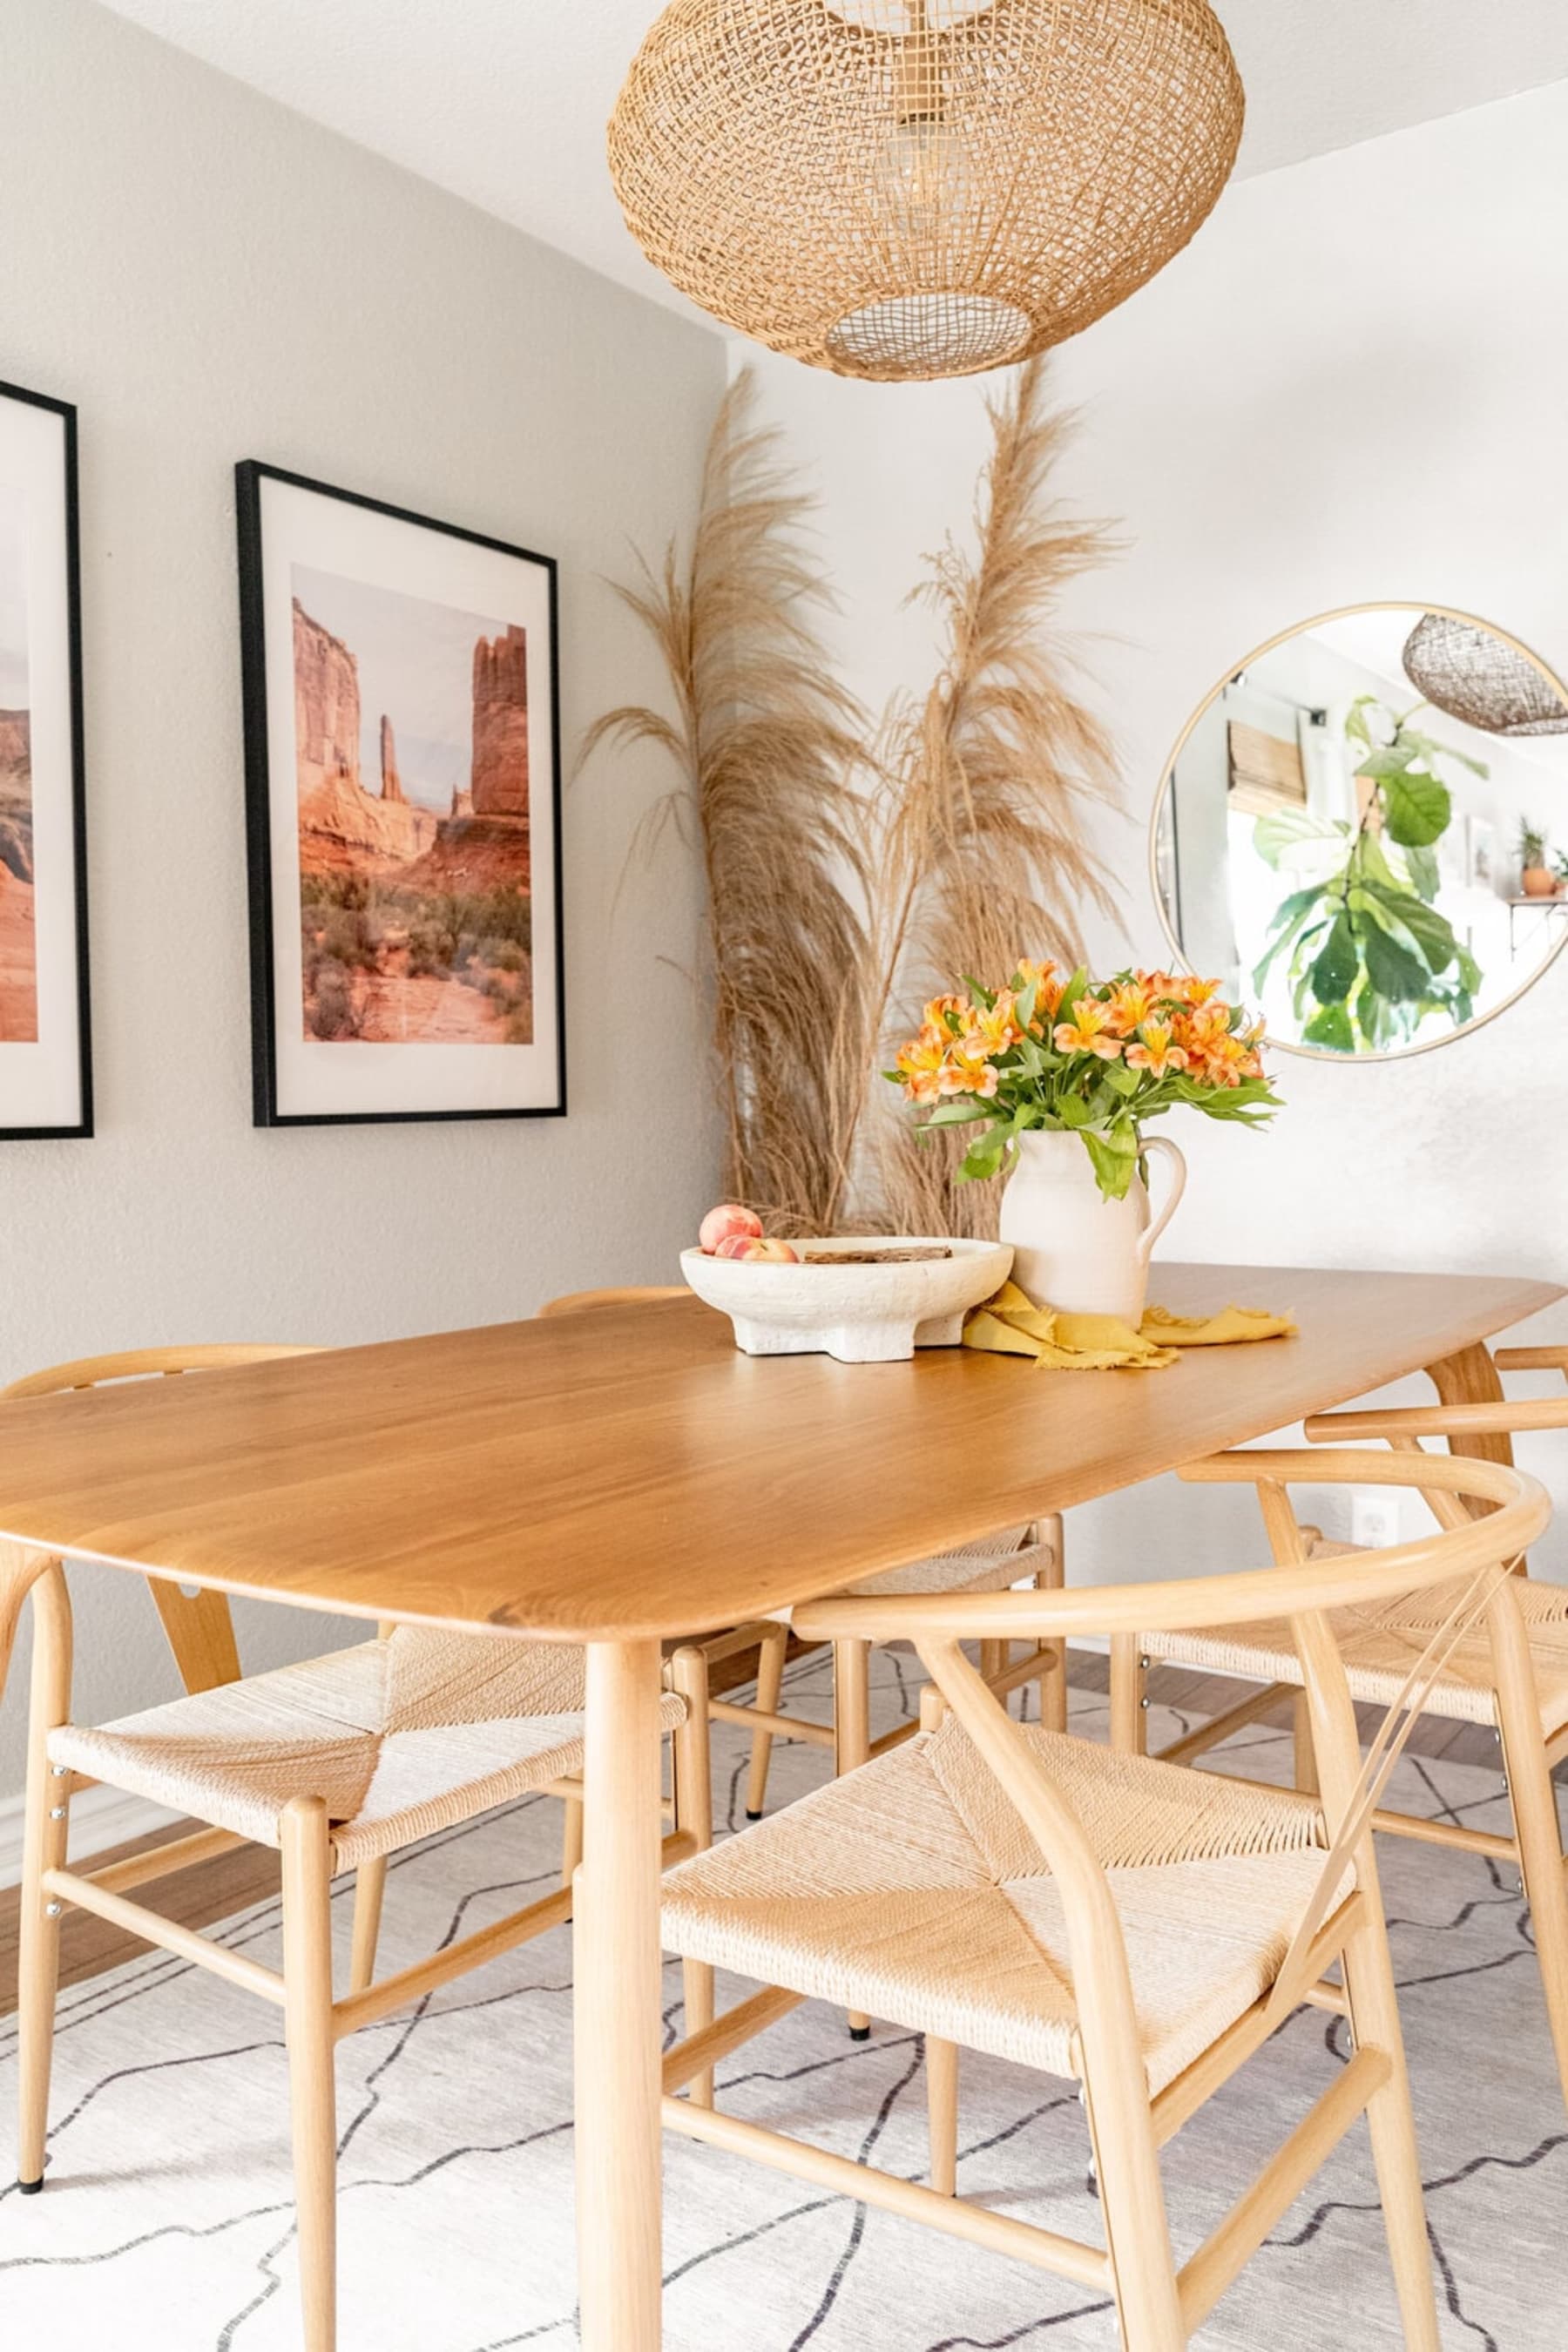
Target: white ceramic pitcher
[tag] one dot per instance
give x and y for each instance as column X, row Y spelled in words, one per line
column 1072, row 1248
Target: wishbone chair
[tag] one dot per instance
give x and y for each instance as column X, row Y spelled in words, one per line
column 198, row 1624
column 1105, row 1916
column 1510, row 1673
column 993, row 1564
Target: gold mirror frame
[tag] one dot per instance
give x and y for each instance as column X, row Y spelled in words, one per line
column 1167, row 773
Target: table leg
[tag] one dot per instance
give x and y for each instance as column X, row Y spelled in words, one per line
column 616, row 2004
column 1470, row 1377
column 20, row 1569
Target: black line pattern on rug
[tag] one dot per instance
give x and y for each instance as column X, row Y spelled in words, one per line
column 830, row 2292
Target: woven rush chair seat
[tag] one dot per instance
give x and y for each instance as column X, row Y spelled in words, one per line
column 400, row 1737
column 911, row 1888
column 1381, row 1644
column 990, row 1565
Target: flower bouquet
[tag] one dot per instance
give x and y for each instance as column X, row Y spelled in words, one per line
column 1093, row 1058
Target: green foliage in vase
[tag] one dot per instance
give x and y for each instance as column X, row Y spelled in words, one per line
column 1370, row 956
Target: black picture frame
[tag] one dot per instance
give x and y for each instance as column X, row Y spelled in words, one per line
column 72, row 1051
column 259, row 660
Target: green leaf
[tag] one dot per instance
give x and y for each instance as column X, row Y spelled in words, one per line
column 1392, row 969
column 1432, row 932
column 1113, row 1162
column 1418, row 808
column 1333, row 975
column 1276, row 836
column 1469, row 972
column 1121, row 1079
column 1429, row 750
column 986, row 996
column 1423, row 867
column 1073, row 1111
column 956, row 1114
column 1356, row 727
column 1330, row 1026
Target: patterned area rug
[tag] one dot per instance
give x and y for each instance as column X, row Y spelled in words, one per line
column 166, row 2226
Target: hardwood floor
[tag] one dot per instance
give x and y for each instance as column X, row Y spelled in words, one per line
column 215, row 1890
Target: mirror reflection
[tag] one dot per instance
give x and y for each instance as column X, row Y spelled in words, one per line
column 1364, row 830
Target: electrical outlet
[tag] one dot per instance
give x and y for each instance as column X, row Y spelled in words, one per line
column 1374, row 1518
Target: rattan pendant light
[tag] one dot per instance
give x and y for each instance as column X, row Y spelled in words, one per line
column 918, row 188
column 1481, row 678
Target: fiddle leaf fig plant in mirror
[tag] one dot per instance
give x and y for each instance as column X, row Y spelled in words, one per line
column 1370, row 955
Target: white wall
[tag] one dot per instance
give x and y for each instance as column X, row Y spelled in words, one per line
column 210, row 277
column 1350, row 387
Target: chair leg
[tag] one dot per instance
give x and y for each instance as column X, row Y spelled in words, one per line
column 852, row 1741
column 46, row 1831
column 688, row 1672
column 370, row 1885
column 770, row 1680
column 941, row 2107
column 1535, row 1825
column 308, row 2029
column 1053, row 1687
column 1137, row 2234
column 1374, row 2020
column 1306, row 1757
column 571, row 1838
column 1129, row 1713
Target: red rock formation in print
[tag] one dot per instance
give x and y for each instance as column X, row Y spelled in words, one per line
column 342, row 827
column 391, row 781
column 500, row 725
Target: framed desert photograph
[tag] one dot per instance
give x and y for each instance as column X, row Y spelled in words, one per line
column 402, row 783
column 45, row 1070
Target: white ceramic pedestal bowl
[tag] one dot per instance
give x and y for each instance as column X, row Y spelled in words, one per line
column 860, row 1314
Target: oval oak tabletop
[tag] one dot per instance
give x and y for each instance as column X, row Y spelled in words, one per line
column 628, row 1474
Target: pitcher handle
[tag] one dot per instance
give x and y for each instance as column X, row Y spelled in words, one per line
column 1178, row 1186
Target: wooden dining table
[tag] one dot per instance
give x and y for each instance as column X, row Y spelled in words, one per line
column 624, row 1477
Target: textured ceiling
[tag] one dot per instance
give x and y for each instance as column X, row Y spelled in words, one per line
column 504, row 101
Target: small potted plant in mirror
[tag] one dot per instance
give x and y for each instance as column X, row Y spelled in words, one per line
column 1536, row 878
column 1064, row 1075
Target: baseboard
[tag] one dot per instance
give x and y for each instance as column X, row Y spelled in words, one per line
column 99, row 1817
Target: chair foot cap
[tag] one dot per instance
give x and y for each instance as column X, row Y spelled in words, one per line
column 859, row 2033
column 30, row 2188
column 751, row 1816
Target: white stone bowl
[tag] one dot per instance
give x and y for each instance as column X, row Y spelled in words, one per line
column 860, row 1314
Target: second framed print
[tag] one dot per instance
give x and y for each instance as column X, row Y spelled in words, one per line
column 403, row 784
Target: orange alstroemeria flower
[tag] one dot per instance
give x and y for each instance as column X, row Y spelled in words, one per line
column 1042, row 979
column 943, row 1013
column 1193, row 991
column 994, row 1030
column 920, row 1065
column 1206, row 1025
column 1130, row 1004
column 1155, row 1051
column 1224, row 1060
column 1085, row 1033
column 968, row 1070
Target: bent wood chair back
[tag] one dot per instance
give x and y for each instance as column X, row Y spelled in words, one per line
column 1159, row 2305
column 198, row 1624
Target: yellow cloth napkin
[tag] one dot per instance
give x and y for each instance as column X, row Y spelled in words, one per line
column 1010, row 1324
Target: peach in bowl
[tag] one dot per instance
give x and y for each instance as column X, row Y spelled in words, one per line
column 863, row 1298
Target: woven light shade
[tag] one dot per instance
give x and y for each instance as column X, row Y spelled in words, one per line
column 1481, row 678
column 916, row 188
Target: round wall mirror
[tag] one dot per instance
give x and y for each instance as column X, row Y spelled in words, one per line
column 1363, row 830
